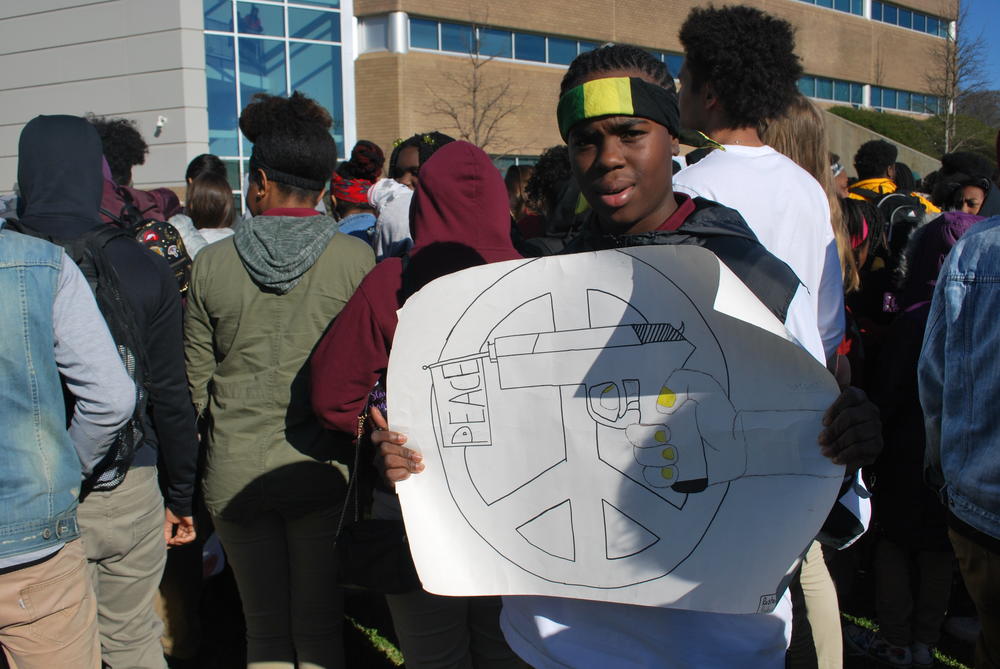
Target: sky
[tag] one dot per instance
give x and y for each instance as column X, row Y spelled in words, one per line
column 984, row 17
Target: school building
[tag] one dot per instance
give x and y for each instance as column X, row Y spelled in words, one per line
column 183, row 69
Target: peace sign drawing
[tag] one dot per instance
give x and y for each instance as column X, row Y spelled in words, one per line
column 581, row 429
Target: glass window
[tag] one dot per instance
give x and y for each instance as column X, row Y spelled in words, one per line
column 876, row 10
column 315, row 70
column 903, row 100
column 825, row 3
column 262, row 67
column 842, row 5
column 455, row 37
column 905, row 18
column 857, row 93
column 313, row 24
column 587, row 46
column 942, row 28
column 917, row 103
column 876, row 100
column 889, row 14
column 561, row 51
column 824, row 88
column 807, row 86
column 423, row 34
column 233, row 174
column 218, row 15
column 319, row 3
column 254, row 19
column 889, row 98
column 674, row 63
column 857, row 7
column 920, row 22
column 495, row 43
column 842, row 91
column 529, row 47
column 220, row 79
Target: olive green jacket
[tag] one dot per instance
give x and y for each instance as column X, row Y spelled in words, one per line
column 247, row 353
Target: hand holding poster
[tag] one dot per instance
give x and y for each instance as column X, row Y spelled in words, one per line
column 630, row 426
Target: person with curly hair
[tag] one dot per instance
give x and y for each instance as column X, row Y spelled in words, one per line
column 740, row 71
column 259, row 302
column 409, row 154
column 875, row 163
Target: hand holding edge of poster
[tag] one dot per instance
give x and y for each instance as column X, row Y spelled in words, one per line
column 629, row 426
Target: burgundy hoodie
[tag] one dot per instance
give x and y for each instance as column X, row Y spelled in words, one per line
column 459, row 218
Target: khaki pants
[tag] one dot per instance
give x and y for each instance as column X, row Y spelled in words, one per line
column 286, row 572
column 981, row 573
column 48, row 614
column 905, row 616
column 122, row 533
column 822, row 609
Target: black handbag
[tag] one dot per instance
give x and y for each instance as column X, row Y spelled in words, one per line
column 372, row 553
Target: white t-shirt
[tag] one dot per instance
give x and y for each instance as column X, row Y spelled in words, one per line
column 790, row 214
column 555, row 633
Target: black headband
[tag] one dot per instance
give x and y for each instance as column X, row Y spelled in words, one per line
column 304, row 183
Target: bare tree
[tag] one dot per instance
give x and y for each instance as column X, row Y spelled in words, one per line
column 960, row 62
column 477, row 101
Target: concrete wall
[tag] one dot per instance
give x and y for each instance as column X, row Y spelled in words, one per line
column 140, row 59
column 845, row 137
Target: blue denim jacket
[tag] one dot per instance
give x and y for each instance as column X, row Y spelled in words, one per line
column 39, row 468
column 959, row 376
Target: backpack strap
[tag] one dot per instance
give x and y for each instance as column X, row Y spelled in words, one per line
column 868, row 194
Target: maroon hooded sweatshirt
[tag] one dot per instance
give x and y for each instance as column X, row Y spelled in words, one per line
column 459, row 218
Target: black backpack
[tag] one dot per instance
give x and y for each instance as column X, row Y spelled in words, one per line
column 89, row 253
column 158, row 236
column 902, row 212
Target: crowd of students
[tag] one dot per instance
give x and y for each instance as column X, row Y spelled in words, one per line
column 246, row 382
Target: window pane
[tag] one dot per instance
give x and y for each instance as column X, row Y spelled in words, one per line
column 561, row 51
column 905, row 18
column 587, row 46
column 312, row 24
column 423, row 34
column 917, row 103
column 456, row 38
column 262, row 68
column 218, row 15
column 842, row 5
column 903, row 100
column 876, row 10
column 807, row 86
column 824, row 3
column 220, row 78
column 942, row 28
column 842, row 91
column 319, row 3
column 674, row 63
column 256, row 19
column 495, row 43
column 889, row 14
column 824, row 88
column 889, row 98
column 316, row 72
column 233, row 174
column 857, row 94
column 529, row 47
column 857, row 7
column 919, row 21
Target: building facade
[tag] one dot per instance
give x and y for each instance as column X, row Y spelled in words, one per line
column 386, row 69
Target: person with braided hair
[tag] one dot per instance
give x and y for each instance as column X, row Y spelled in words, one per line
column 349, row 187
column 259, row 302
column 618, row 114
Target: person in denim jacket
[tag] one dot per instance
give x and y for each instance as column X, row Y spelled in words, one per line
column 959, row 377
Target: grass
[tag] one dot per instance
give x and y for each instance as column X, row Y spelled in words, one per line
column 379, row 642
column 938, row 655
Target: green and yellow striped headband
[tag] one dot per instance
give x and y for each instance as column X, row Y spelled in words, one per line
column 618, row 96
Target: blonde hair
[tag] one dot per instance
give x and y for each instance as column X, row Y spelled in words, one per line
column 800, row 134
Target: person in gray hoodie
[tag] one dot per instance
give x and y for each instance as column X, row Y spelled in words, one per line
column 258, row 304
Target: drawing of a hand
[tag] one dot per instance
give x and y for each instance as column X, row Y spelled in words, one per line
column 699, row 442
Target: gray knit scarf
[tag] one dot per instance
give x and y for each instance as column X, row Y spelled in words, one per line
column 277, row 250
